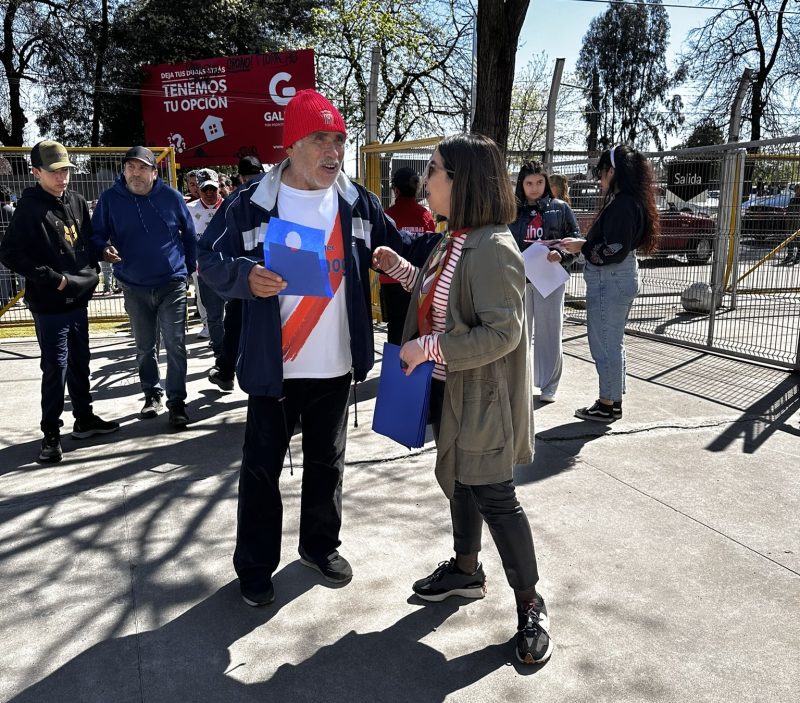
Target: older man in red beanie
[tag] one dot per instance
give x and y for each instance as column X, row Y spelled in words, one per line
column 297, row 353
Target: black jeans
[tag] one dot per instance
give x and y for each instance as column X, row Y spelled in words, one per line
column 226, row 360
column 64, row 343
column 321, row 404
column 497, row 504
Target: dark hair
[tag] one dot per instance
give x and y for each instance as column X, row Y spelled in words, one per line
column 406, row 180
column 481, row 193
column 633, row 175
column 530, row 168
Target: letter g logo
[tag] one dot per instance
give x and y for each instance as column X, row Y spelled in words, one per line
column 286, row 93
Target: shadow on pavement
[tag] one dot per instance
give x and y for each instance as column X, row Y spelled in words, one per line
column 189, row 659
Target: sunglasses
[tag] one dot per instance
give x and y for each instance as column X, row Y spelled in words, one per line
column 432, row 167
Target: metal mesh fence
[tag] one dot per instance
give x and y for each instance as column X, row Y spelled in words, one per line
column 728, row 246
column 95, row 171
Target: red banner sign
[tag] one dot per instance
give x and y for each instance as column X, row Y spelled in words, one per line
column 214, row 111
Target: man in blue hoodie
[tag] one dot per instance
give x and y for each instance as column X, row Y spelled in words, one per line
column 297, row 353
column 48, row 242
column 142, row 226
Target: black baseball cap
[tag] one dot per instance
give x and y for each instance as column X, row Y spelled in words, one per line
column 250, row 166
column 142, row 154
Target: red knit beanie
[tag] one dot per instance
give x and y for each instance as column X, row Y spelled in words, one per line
column 308, row 112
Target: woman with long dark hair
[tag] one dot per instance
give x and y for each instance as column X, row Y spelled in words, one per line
column 543, row 220
column 627, row 223
column 467, row 315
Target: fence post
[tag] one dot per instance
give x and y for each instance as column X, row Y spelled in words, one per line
column 726, row 244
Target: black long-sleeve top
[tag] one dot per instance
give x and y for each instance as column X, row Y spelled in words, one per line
column 616, row 232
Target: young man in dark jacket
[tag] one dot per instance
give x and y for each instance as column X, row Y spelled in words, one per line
column 48, row 242
column 297, row 353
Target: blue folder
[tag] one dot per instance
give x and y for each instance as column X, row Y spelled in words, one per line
column 401, row 410
column 297, row 253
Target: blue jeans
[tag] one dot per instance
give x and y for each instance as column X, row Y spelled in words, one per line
column 158, row 312
column 64, row 343
column 610, row 292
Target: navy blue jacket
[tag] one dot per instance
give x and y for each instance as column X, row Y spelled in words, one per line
column 230, row 247
column 154, row 234
column 558, row 221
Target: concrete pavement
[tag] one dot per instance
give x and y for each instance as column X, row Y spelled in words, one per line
column 668, row 543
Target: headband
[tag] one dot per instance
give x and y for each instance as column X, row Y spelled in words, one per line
column 611, row 156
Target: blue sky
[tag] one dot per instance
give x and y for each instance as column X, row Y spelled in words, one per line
column 559, row 29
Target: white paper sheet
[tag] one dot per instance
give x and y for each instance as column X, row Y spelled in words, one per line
column 545, row 275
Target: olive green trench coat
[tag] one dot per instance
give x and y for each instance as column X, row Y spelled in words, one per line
column 487, row 423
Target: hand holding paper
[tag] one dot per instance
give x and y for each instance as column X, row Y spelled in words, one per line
column 264, row 283
column 571, row 244
column 545, row 275
column 297, row 254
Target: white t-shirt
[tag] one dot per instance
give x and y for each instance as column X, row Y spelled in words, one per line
column 316, row 336
column 202, row 214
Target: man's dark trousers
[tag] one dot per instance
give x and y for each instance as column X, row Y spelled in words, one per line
column 64, row 343
column 321, row 405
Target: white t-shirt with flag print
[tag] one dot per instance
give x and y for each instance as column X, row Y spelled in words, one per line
column 315, row 333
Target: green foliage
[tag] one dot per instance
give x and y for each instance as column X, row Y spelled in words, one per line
column 627, row 46
column 149, row 32
column 705, row 133
column 425, row 76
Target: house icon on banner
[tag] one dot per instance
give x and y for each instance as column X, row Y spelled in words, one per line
column 212, row 127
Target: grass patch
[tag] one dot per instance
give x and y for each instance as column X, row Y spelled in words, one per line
column 96, row 328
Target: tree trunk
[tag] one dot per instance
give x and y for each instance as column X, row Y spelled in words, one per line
column 498, row 26
column 756, row 109
column 12, row 134
column 99, row 66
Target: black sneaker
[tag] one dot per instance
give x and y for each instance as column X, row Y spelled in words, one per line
column 334, row 568
column 224, row 384
column 598, row 413
column 152, row 406
column 533, row 645
column 92, row 425
column 256, row 596
column 448, row 580
column 50, row 452
column 616, row 409
column 177, row 414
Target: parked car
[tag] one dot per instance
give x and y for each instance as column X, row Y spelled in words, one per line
column 770, row 217
column 683, row 232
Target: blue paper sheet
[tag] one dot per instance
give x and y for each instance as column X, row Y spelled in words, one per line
column 297, row 253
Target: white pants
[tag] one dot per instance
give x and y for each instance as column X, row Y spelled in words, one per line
column 545, row 318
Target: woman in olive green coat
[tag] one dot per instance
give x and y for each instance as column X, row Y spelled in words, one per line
column 467, row 315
